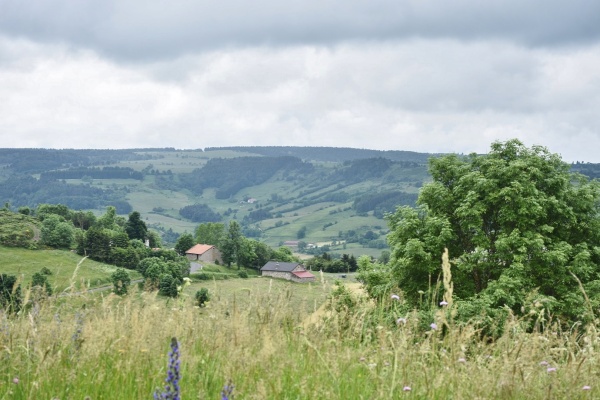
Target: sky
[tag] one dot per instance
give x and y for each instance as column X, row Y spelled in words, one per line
column 434, row 76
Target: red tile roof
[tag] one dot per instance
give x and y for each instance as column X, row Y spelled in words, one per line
column 199, row 249
column 303, row 274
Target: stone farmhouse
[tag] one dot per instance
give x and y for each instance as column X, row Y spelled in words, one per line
column 204, row 253
column 291, row 271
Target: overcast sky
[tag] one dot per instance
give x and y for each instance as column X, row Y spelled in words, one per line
column 420, row 75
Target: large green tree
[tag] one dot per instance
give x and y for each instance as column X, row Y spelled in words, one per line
column 184, row 243
column 210, row 233
column 231, row 246
column 135, row 227
column 56, row 232
column 516, row 222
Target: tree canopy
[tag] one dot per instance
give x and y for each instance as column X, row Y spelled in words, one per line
column 516, row 222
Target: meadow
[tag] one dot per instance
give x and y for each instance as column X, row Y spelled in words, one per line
column 68, row 269
column 273, row 339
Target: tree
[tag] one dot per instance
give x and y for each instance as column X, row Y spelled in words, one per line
column 121, row 281
column 135, row 227
column 516, row 221
column 232, row 244
column 109, row 219
column 210, row 233
column 184, row 243
column 154, row 239
column 56, row 232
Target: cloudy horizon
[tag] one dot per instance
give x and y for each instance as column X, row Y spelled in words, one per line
column 427, row 76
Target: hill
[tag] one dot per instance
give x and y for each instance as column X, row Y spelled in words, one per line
column 334, row 197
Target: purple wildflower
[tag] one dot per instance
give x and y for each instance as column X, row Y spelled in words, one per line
column 551, row 369
column 395, row 297
column 586, row 387
column 172, row 381
column 16, row 380
column 433, row 326
column 543, row 363
column 406, row 388
column 401, row 321
column 443, row 303
column 227, row 392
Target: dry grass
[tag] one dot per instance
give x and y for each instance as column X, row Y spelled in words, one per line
column 257, row 335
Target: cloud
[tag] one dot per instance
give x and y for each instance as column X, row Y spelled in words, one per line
column 153, row 30
column 422, row 95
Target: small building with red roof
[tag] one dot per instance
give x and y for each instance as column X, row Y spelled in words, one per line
column 204, row 253
column 285, row 270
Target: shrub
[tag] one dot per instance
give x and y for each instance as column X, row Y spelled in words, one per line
column 121, row 281
column 40, row 279
column 202, row 296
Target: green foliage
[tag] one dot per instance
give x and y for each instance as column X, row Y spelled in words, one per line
column 243, row 274
column 202, row 296
column 135, row 227
column 40, row 279
column 17, row 230
column 167, row 285
column 10, row 293
column 121, row 281
column 232, row 244
column 126, row 257
column 515, row 221
column 56, row 232
column 231, row 175
column 184, row 243
column 199, row 213
column 210, row 233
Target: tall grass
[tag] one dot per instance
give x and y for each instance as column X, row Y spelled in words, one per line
column 265, row 342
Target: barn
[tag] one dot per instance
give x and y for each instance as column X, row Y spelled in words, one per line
column 285, row 270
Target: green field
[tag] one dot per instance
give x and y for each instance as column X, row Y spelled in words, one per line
column 24, row 263
column 273, row 339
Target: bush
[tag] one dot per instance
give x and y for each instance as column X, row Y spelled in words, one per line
column 121, row 281
column 40, row 279
column 243, row 274
column 202, row 296
column 10, row 293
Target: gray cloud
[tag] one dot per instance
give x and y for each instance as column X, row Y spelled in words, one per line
column 142, row 30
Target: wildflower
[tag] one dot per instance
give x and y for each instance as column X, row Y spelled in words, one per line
column 227, row 392
column 401, row 321
column 551, row 369
column 395, row 297
column 406, row 388
column 586, row 387
column 443, row 303
column 433, row 326
column 362, row 359
column 543, row 363
column 16, row 380
column 462, row 360
column 172, row 381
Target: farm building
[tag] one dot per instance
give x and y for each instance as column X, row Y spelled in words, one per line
column 204, row 253
column 285, row 270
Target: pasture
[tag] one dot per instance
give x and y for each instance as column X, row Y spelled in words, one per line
column 274, row 339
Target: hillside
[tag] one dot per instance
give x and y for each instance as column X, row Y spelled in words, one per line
column 327, row 196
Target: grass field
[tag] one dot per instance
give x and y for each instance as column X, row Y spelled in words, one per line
column 24, row 263
column 272, row 339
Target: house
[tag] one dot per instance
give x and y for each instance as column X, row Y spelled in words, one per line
column 291, row 271
column 206, row 253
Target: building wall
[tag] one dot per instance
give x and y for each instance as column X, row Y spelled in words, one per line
column 209, row 256
column 278, row 274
